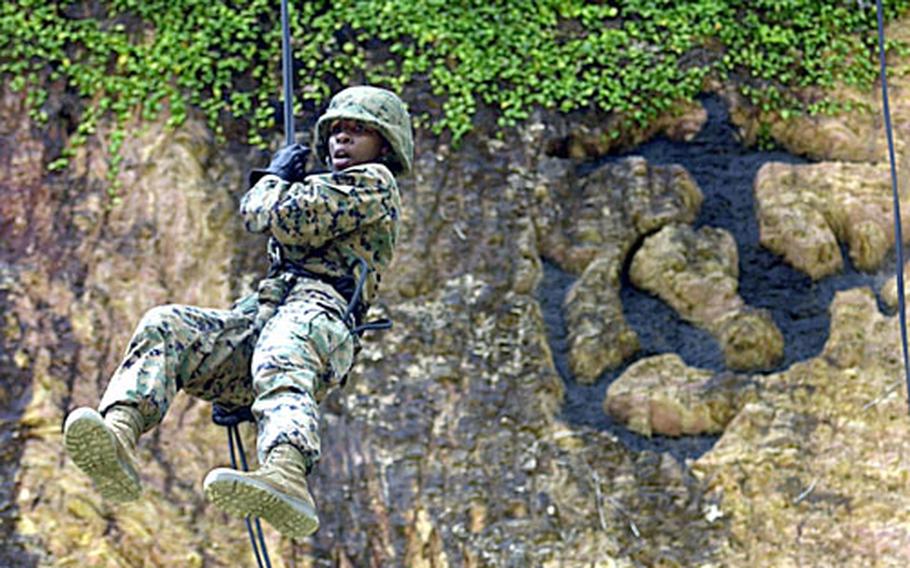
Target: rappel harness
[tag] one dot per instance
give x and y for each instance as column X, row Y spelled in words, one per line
column 346, row 286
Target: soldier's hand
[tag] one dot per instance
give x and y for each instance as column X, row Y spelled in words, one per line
column 289, row 164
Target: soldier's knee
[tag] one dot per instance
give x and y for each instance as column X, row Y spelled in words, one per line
column 271, row 375
column 160, row 318
column 278, row 357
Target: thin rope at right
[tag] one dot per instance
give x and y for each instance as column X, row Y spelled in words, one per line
column 898, row 233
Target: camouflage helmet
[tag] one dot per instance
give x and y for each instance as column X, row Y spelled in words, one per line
column 377, row 108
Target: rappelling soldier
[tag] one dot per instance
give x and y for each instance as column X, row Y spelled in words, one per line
column 283, row 348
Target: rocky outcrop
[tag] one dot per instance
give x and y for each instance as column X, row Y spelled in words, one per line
column 446, row 447
column 888, row 291
column 806, row 211
column 589, row 227
column 169, row 236
column 596, row 135
column 697, row 273
column 823, row 446
column 662, row 395
column 853, row 134
column 599, row 337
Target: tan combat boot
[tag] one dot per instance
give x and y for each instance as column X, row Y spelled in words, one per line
column 105, row 447
column 277, row 492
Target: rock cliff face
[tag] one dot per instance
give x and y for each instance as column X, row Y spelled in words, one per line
column 697, row 272
column 805, row 212
column 809, row 470
column 589, row 227
column 446, row 448
column 78, row 271
column 449, row 446
column 662, row 395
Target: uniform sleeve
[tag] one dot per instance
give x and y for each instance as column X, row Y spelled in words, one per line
column 325, row 207
column 257, row 204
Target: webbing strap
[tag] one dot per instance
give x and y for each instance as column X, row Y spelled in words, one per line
column 898, row 234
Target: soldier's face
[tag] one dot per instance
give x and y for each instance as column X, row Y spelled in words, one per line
column 352, row 143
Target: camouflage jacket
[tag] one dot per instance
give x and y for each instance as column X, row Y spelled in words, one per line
column 325, row 222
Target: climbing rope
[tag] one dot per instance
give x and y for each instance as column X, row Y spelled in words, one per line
column 287, row 75
column 220, row 415
column 231, row 421
column 898, row 234
column 262, row 558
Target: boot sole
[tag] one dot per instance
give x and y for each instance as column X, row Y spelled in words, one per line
column 233, row 493
column 93, row 448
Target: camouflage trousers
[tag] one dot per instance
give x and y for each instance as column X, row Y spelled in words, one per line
column 303, row 351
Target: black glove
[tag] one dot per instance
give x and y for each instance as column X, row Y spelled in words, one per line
column 289, row 164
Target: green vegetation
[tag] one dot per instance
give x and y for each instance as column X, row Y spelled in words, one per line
column 634, row 57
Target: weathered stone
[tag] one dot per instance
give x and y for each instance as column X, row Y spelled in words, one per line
column 607, row 211
column 446, row 445
column 750, row 339
column 449, row 445
column 589, row 227
column 888, row 291
column 597, row 135
column 684, row 121
column 88, row 269
column 848, row 136
column 855, row 133
column 804, row 211
column 662, row 395
column 488, row 429
column 600, row 338
column 696, row 273
column 802, row 236
column 825, row 445
column 27, row 204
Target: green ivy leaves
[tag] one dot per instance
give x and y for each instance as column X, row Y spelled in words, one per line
column 128, row 58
